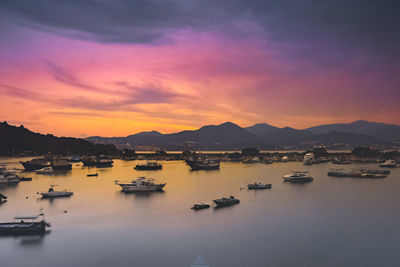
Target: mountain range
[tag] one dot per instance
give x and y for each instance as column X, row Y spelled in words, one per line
column 229, row 136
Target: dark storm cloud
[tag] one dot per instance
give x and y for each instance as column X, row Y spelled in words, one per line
column 324, row 30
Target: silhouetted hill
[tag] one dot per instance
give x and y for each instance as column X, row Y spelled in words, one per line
column 14, row 140
column 262, row 129
column 231, row 136
column 382, row 131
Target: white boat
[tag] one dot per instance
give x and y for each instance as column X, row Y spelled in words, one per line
column 45, row 170
column 9, row 177
column 52, row 193
column 308, row 159
column 390, row 163
column 285, row 159
column 298, row 177
column 141, row 184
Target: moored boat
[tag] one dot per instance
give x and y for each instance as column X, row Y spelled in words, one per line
column 22, row 227
column 51, row 193
column 390, row 163
column 141, row 184
column 200, row 206
column 224, row 202
column 60, row 163
column 308, row 159
column 149, row 166
column 258, row 186
column 46, row 170
column 298, row 177
column 35, row 164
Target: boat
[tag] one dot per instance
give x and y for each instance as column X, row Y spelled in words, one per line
column 200, row 206
column 204, row 164
column 89, row 161
column 93, row 174
column 224, row 202
column 285, row 159
column 60, row 163
column 103, row 162
column 340, row 160
column 35, row 164
column 390, row 163
column 298, row 177
column 46, row 170
column 141, row 184
column 22, row 227
column 259, row 186
column 308, row 159
column 9, row 178
column 148, row 166
column 75, row 159
column 51, row 193
column 3, row 199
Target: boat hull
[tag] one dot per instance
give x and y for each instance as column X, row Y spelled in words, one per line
column 133, row 188
column 226, row 203
column 147, row 168
column 23, row 228
column 256, row 187
column 32, row 166
column 56, row 194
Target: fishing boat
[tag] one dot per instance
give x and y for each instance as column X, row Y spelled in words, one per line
column 390, row 163
column 35, row 164
column 60, row 163
column 258, row 186
column 200, row 206
column 141, row 184
column 51, row 193
column 224, row 202
column 46, row 170
column 92, row 174
column 149, row 166
column 298, row 177
column 22, row 227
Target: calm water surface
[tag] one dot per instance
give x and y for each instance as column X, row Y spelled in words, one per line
column 329, row 222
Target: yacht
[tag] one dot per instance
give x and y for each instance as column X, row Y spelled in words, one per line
column 52, row 193
column 141, row 184
column 60, row 163
column 149, row 166
column 308, row 159
column 46, row 170
column 259, row 186
column 224, row 202
column 390, row 163
column 35, row 164
column 206, row 164
column 23, row 227
column 298, row 177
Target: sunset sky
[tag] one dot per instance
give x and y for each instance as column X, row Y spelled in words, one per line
column 114, row 68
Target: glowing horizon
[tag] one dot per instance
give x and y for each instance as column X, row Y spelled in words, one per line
column 72, row 81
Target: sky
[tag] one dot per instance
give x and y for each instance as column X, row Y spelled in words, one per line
column 114, row 68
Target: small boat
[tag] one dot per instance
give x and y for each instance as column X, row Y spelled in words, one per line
column 25, row 178
column 92, row 174
column 3, row 199
column 46, row 170
column 224, row 202
column 141, row 184
column 200, row 206
column 285, row 159
column 298, row 177
column 259, row 186
column 51, row 193
column 149, row 166
column 9, row 178
column 309, row 159
column 35, row 164
column 24, row 228
column 390, row 163
column 340, row 160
